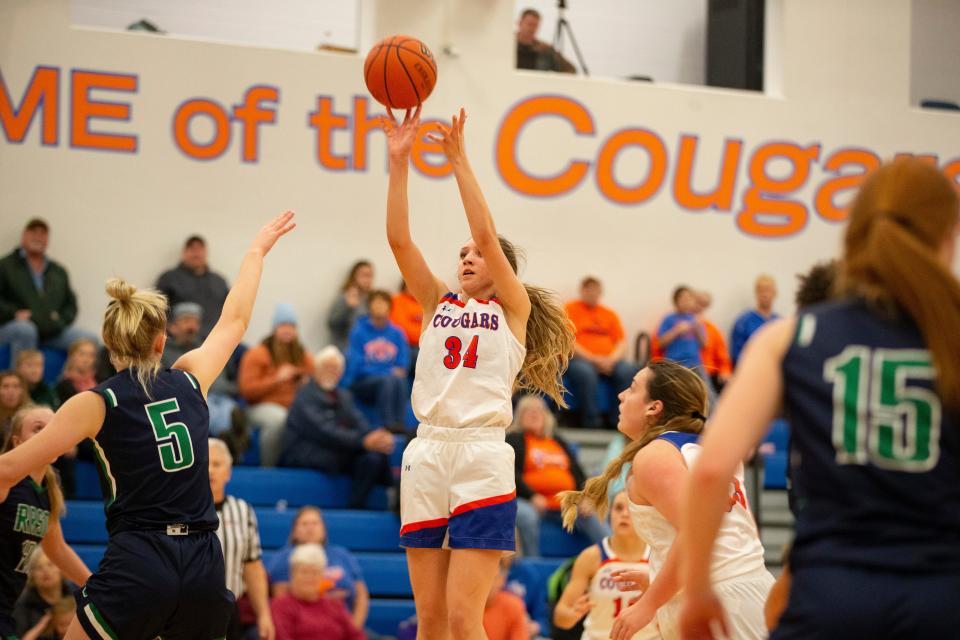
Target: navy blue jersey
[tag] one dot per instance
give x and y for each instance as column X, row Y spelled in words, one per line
column 153, row 454
column 24, row 517
column 874, row 460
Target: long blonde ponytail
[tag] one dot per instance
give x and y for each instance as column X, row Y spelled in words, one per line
column 550, row 339
column 685, row 405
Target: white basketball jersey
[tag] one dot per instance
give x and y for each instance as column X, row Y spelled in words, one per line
column 468, row 362
column 737, row 551
column 609, row 601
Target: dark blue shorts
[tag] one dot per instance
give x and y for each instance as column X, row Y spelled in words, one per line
column 843, row 603
column 150, row 584
column 8, row 629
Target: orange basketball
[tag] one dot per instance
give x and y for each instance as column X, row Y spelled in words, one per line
column 400, row 72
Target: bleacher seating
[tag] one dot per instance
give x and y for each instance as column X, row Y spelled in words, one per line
column 372, row 535
column 775, row 455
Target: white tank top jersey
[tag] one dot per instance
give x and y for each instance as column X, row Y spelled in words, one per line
column 608, row 601
column 738, row 550
column 468, row 362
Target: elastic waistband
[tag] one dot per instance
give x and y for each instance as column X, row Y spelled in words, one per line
column 461, row 434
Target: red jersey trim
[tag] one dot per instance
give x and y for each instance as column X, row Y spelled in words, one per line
column 423, row 524
column 452, row 298
column 485, row 502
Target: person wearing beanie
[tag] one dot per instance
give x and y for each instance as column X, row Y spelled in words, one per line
column 270, row 375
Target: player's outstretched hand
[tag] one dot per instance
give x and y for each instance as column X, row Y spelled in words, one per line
column 702, row 617
column 272, row 231
column 631, row 620
column 400, row 135
column 451, row 138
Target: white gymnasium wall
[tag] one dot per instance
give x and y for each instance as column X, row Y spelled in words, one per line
column 935, row 50
column 127, row 213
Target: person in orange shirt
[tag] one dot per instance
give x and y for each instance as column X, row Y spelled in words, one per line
column 269, row 376
column 504, row 615
column 544, row 465
column 715, row 356
column 407, row 314
column 599, row 351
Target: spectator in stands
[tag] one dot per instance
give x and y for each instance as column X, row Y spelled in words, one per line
column 30, row 369
column 184, row 330
column 716, row 358
column 13, row 397
column 765, row 290
column 45, row 588
column 343, row 570
column 240, row 540
column 193, row 281
column 325, row 431
column 681, row 336
column 351, row 303
column 377, row 362
column 79, row 372
column 56, row 622
column 270, row 375
column 29, row 364
column 599, row 351
column 305, row 612
column 407, row 314
column 534, row 54
column 37, row 305
column 504, row 615
column 544, row 466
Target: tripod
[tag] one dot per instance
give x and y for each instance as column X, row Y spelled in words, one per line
column 563, row 26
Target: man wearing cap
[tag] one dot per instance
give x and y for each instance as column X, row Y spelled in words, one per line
column 193, row 281
column 37, row 305
column 184, row 330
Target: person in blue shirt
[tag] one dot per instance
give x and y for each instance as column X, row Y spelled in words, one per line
column 378, row 356
column 343, row 570
column 682, row 336
column 750, row 320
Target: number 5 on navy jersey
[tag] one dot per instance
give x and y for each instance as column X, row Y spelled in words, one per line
column 173, row 438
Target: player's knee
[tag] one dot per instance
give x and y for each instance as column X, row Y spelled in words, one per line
column 461, row 620
column 432, row 618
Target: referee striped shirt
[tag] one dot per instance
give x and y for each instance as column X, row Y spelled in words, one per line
column 239, row 538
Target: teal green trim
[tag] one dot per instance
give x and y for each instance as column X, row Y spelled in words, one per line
column 193, row 380
column 103, row 623
column 40, row 489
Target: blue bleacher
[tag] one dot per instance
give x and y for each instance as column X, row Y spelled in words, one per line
column 775, row 458
column 606, row 395
column 372, row 535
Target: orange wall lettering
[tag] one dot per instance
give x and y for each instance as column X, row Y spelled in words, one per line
column 423, row 147
column 606, row 160
column 251, row 114
column 41, row 94
column 721, row 198
column 84, row 108
column 767, row 212
column 221, row 128
column 824, row 202
column 509, row 137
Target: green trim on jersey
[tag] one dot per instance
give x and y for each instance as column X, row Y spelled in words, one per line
column 105, row 469
column 104, row 629
column 39, row 488
column 192, row 379
column 110, row 397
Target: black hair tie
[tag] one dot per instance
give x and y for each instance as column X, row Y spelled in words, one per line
column 698, row 416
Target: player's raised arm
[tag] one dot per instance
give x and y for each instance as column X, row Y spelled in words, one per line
column 423, row 284
column 510, row 290
column 207, row 361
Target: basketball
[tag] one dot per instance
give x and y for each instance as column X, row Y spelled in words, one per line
column 400, row 72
